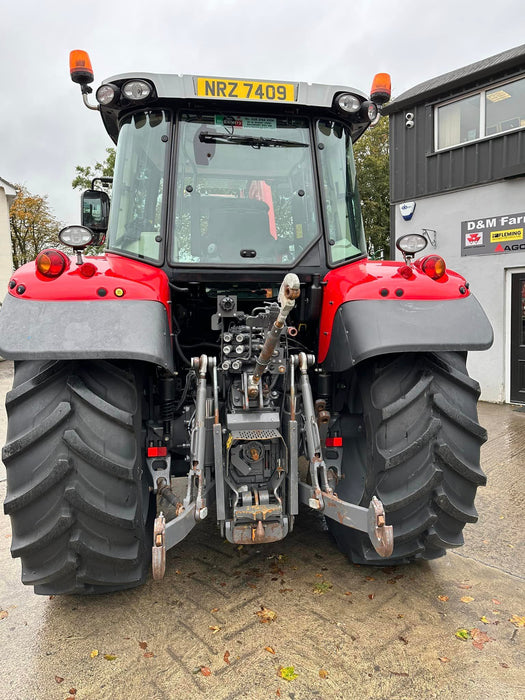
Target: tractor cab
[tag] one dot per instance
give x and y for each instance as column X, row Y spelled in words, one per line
column 240, row 174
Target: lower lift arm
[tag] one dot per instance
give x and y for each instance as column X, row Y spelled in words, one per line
column 320, row 495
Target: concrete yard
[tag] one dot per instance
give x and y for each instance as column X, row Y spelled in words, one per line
column 348, row 631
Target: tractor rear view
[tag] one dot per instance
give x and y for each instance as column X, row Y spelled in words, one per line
column 233, row 344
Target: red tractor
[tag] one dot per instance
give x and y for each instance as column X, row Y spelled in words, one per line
column 233, row 344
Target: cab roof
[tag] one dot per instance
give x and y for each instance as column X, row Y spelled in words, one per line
column 218, row 89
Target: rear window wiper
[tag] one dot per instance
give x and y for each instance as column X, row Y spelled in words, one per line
column 254, row 141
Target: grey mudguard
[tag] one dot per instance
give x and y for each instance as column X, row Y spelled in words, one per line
column 131, row 329
column 366, row 328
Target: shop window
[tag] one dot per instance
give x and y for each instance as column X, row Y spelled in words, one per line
column 458, row 122
column 489, row 112
column 505, row 107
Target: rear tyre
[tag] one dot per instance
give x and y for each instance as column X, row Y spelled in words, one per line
column 411, row 437
column 76, row 495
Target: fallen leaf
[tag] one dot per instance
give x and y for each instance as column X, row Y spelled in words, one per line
column 288, row 673
column 369, row 578
column 444, row 659
column 371, row 596
column 479, row 638
column 110, row 657
column 517, row 620
column 496, row 601
column 215, row 629
column 72, row 691
column 403, row 639
column 3, row 614
column 399, row 673
column 94, row 653
column 323, row 674
column 149, row 655
column 271, row 650
column 465, row 586
column 504, row 665
column 467, row 599
column 484, row 620
column 143, row 645
column 400, row 616
column 226, row 657
column 278, row 693
column 265, row 614
column 322, row 587
column 348, row 592
column 205, row 670
column 214, row 610
column 285, row 590
column 59, row 679
column 251, row 585
column 178, row 571
column 443, row 598
column 462, row 634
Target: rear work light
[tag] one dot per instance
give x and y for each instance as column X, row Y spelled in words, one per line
column 136, row 90
column 51, row 263
column 433, row 266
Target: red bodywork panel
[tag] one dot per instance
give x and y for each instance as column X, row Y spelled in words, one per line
column 137, row 279
column 366, row 279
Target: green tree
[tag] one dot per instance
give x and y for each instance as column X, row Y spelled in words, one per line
column 85, row 174
column 372, row 164
column 33, row 226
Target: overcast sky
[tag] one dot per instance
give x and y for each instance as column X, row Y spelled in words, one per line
column 45, row 130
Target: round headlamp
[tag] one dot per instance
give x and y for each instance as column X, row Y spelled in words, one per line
column 76, row 236
column 411, row 244
column 107, row 94
column 136, row 90
column 349, row 103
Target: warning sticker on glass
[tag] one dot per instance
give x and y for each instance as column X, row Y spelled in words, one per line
column 245, row 122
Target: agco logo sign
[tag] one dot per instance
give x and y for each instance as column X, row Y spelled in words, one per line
column 496, row 234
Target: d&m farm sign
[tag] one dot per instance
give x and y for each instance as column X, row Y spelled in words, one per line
column 493, row 235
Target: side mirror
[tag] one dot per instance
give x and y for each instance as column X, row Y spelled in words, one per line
column 95, row 210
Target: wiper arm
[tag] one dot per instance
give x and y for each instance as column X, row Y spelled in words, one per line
column 254, row 141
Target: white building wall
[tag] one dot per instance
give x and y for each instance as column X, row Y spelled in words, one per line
column 488, row 275
column 7, row 194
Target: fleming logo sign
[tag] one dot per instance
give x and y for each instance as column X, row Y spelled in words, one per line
column 493, row 235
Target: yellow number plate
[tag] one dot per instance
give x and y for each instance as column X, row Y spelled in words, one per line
column 245, row 90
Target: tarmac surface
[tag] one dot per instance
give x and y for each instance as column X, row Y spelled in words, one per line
column 348, row 631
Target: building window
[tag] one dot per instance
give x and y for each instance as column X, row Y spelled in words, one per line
column 486, row 113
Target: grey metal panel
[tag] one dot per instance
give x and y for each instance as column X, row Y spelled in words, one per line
column 127, row 329
column 254, row 420
column 367, row 328
column 417, row 171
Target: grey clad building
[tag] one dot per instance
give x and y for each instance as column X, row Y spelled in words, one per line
column 457, row 173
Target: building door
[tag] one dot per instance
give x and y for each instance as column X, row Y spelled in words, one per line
column 517, row 339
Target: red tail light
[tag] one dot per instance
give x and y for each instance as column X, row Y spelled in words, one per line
column 51, row 263
column 433, row 266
